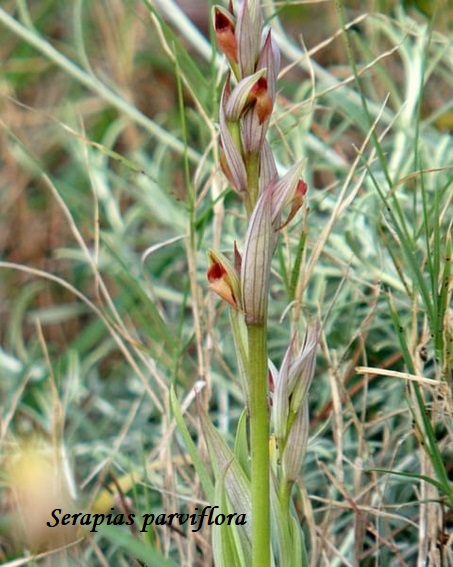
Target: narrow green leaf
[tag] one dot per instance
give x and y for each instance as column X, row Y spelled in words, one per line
column 421, row 477
column 425, row 427
column 226, row 540
column 194, row 453
column 442, row 335
column 237, row 484
column 241, row 451
column 295, row 272
column 135, row 547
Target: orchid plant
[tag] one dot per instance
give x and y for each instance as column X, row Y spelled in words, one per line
column 261, row 481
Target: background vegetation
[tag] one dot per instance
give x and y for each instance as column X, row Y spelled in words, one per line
column 111, row 194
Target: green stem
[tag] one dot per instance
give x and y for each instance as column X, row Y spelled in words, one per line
column 259, row 442
column 252, row 164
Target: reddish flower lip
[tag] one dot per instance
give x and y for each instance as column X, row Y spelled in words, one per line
column 224, row 26
column 223, row 279
column 216, row 272
column 263, row 102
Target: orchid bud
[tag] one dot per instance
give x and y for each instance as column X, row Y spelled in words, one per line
column 290, row 408
column 296, row 444
column 281, row 396
column 303, row 369
column 223, row 279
